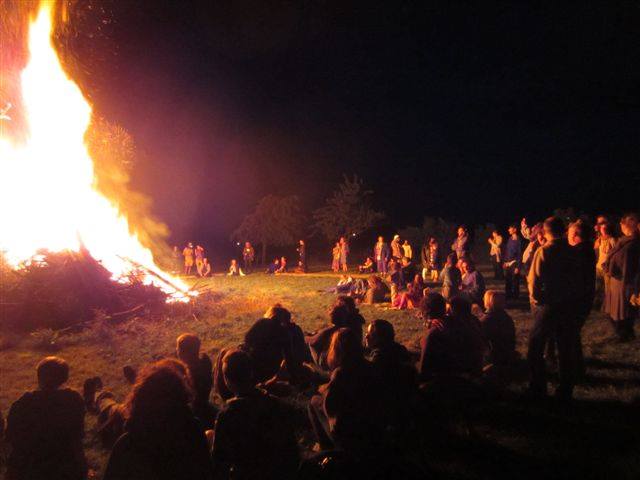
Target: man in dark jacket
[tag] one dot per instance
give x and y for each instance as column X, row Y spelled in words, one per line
column 511, row 263
column 553, row 293
column 45, row 428
column 253, row 437
column 579, row 239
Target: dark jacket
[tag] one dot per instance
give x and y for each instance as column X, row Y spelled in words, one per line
column 45, row 431
column 500, row 333
column 623, row 268
column 554, row 276
column 454, row 349
column 586, row 258
column 254, row 439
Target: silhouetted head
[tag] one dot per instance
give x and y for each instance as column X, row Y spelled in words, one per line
column 188, row 347
column 237, row 371
column 380, row 333
column 52, row 373
column 433, row 306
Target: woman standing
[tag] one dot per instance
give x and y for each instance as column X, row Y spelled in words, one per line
column 344, row 252
column 187, row 253
column 603, row 245
column 335, row 255
column 622, row 268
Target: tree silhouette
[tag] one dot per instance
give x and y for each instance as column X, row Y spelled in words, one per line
column 276, row 221
column 348, row 211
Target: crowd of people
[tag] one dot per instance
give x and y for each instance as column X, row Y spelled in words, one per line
column 365, row 390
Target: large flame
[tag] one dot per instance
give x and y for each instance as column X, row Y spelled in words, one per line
column 48, row 198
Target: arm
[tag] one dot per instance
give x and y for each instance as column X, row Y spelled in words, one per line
column 534, row 279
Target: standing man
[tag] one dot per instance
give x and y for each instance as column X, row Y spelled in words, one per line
column 553, row 292
column 496, row 252
column 302, row 256
column 579, row 238
column 381, row 255
column 461, row 244
column 622, row 269
column 248, row 254
column 511, row 264
column 187, row 253
column 344, row 253
column 396, row 248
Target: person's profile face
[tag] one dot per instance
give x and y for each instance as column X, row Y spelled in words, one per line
column 460, row 232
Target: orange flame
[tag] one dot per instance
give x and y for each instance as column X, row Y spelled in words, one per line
column 48, row 198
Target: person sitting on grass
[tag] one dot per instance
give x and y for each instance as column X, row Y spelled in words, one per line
column 391, row 360
column 273, row 266
column 376, row 292
column 300, row 353
column 269, row 347
column 367, row 266
column 413, row 296
column 452, row 345
column 45, row 428
column 344, row 314
column 253, row 436
column 162, row 439
column 283, row 266
column 200, row 371
column 498, row 329
column 206, row 267
column 472, row 286
column 346, row 413
column 234, row 269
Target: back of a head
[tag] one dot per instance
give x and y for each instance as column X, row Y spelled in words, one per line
column 261, row 333
column 237, row 370
column 383, row 332
column 188, row 346
column 452, row 258
column 494, row 300
column 52, row 373
column 278, row 313
column 345, row 349
column 433, row 305
column 346, row 301
column 161, row 391
column 555, row 226
column 460, row 307
column 340, row 316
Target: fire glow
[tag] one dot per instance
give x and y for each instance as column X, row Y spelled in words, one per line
column 48, row 198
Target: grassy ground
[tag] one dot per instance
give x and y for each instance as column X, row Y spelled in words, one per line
column 598, row 439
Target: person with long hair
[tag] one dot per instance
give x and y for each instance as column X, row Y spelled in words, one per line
column 162, row 439
column 344, row 415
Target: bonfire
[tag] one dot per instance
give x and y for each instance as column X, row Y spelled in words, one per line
column 52, row 216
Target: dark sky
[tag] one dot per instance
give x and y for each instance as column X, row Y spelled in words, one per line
column 474, row 111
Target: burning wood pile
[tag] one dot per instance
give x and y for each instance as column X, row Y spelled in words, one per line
column 65, row 289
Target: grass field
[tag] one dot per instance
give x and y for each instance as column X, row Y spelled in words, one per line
column 598, row 439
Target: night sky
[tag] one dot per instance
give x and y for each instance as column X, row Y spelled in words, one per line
column 473, row 111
